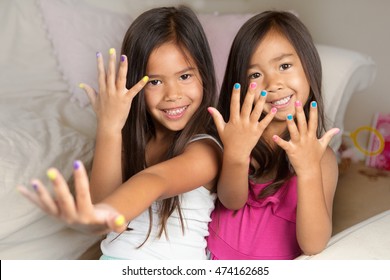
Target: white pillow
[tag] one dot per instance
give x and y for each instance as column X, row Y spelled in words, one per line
column 77, row 31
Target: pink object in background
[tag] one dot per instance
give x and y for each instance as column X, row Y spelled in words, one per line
column 382, row 124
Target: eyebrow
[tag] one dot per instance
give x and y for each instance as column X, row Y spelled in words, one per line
column 275, row 59
column 177, row 73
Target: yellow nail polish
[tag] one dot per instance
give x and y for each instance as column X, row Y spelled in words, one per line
column 111, row 51
column 145, row 79
column 81, row 85
column 119, row 221
column 51, row 174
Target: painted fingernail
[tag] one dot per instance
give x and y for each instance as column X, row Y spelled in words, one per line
column 236, row 85
column 145, row 79
column 298, row 103
column 123, row 58
column 314, row 104
column 120, row 220
column 253, row 85
column 111, row 51
column 76, row 164
column 35, row 186
column 275, row 137
column 98, row 54
column 274, row 110
column 263, row 93
column 51, row 174
column 81, row 85
column 210, row 111
column 289, row 117
column 337, row 131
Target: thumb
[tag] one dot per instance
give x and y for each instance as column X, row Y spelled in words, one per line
column 91, row 93
column 117, row 223
column 217, row 118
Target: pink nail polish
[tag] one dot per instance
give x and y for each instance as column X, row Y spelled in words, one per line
column 210, row 111
column 253, row 85
column 274, row 110
column 298, row 103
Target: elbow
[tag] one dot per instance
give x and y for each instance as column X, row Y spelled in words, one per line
column 313, row 249
column 233, row 204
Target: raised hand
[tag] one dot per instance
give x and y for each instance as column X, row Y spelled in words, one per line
column 304, row 149
column 78, row 212
column 113, row 101
column 243, row 130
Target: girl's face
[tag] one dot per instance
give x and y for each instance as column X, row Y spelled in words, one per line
column 276, row 68
column 174, row 91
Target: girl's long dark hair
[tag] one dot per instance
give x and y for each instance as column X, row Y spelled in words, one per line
column 149, row 31
column 245, row 43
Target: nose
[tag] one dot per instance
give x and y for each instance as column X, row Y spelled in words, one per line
column 172, row 92
column 273, row 82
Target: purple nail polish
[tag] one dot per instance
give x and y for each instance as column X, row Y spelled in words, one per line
column 98, row 54
column 123, row 58
column 35, row 187
column 76, row 165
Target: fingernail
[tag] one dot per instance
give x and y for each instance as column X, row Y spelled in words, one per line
column 81, row 85
column 35, row 186
column 274, row 110
column 337, row 131
column 298, row 103
column 210, row 111
column 119, row 221
column 111, row 51
column 98, row 54
column 236, row 85
column 263, row 93
column 274, row 137
column 252, row 85
column 289, row 117
column 123, row 58
column 51, row 174
column 145, row 79
column 314, row 104
column 76, row 164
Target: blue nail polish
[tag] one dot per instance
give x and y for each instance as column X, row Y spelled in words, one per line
column 263, row 93
column 314, row 104
column 289, row 117
column 76, row 165
column 236, row 85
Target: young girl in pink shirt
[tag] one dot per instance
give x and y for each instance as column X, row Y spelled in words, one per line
column 282, row 206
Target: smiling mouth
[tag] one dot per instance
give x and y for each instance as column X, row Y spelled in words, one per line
column 176, row 111
column 282, row 101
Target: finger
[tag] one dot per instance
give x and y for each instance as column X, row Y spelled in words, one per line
column 327, row 137
column 64, row 198
column 301, row 118
column 280, row 142
column 248, row 101
column 91, row 93
column 235, row 102
column 218, row 119
column 313, row 122
column 131, row 93
column 46, row 200
column 101, row 72
column 83, row 195
column 33, row 197
column 292, row 128
column 117, row 223
column 122, row 73
column 111, row 70
column 263, row 124
column 259, row 106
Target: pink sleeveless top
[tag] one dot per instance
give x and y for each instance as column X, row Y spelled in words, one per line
column 263, row 229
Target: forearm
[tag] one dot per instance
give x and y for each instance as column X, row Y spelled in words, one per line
column 106, row 174
column 314, row 219
column 232, row 185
